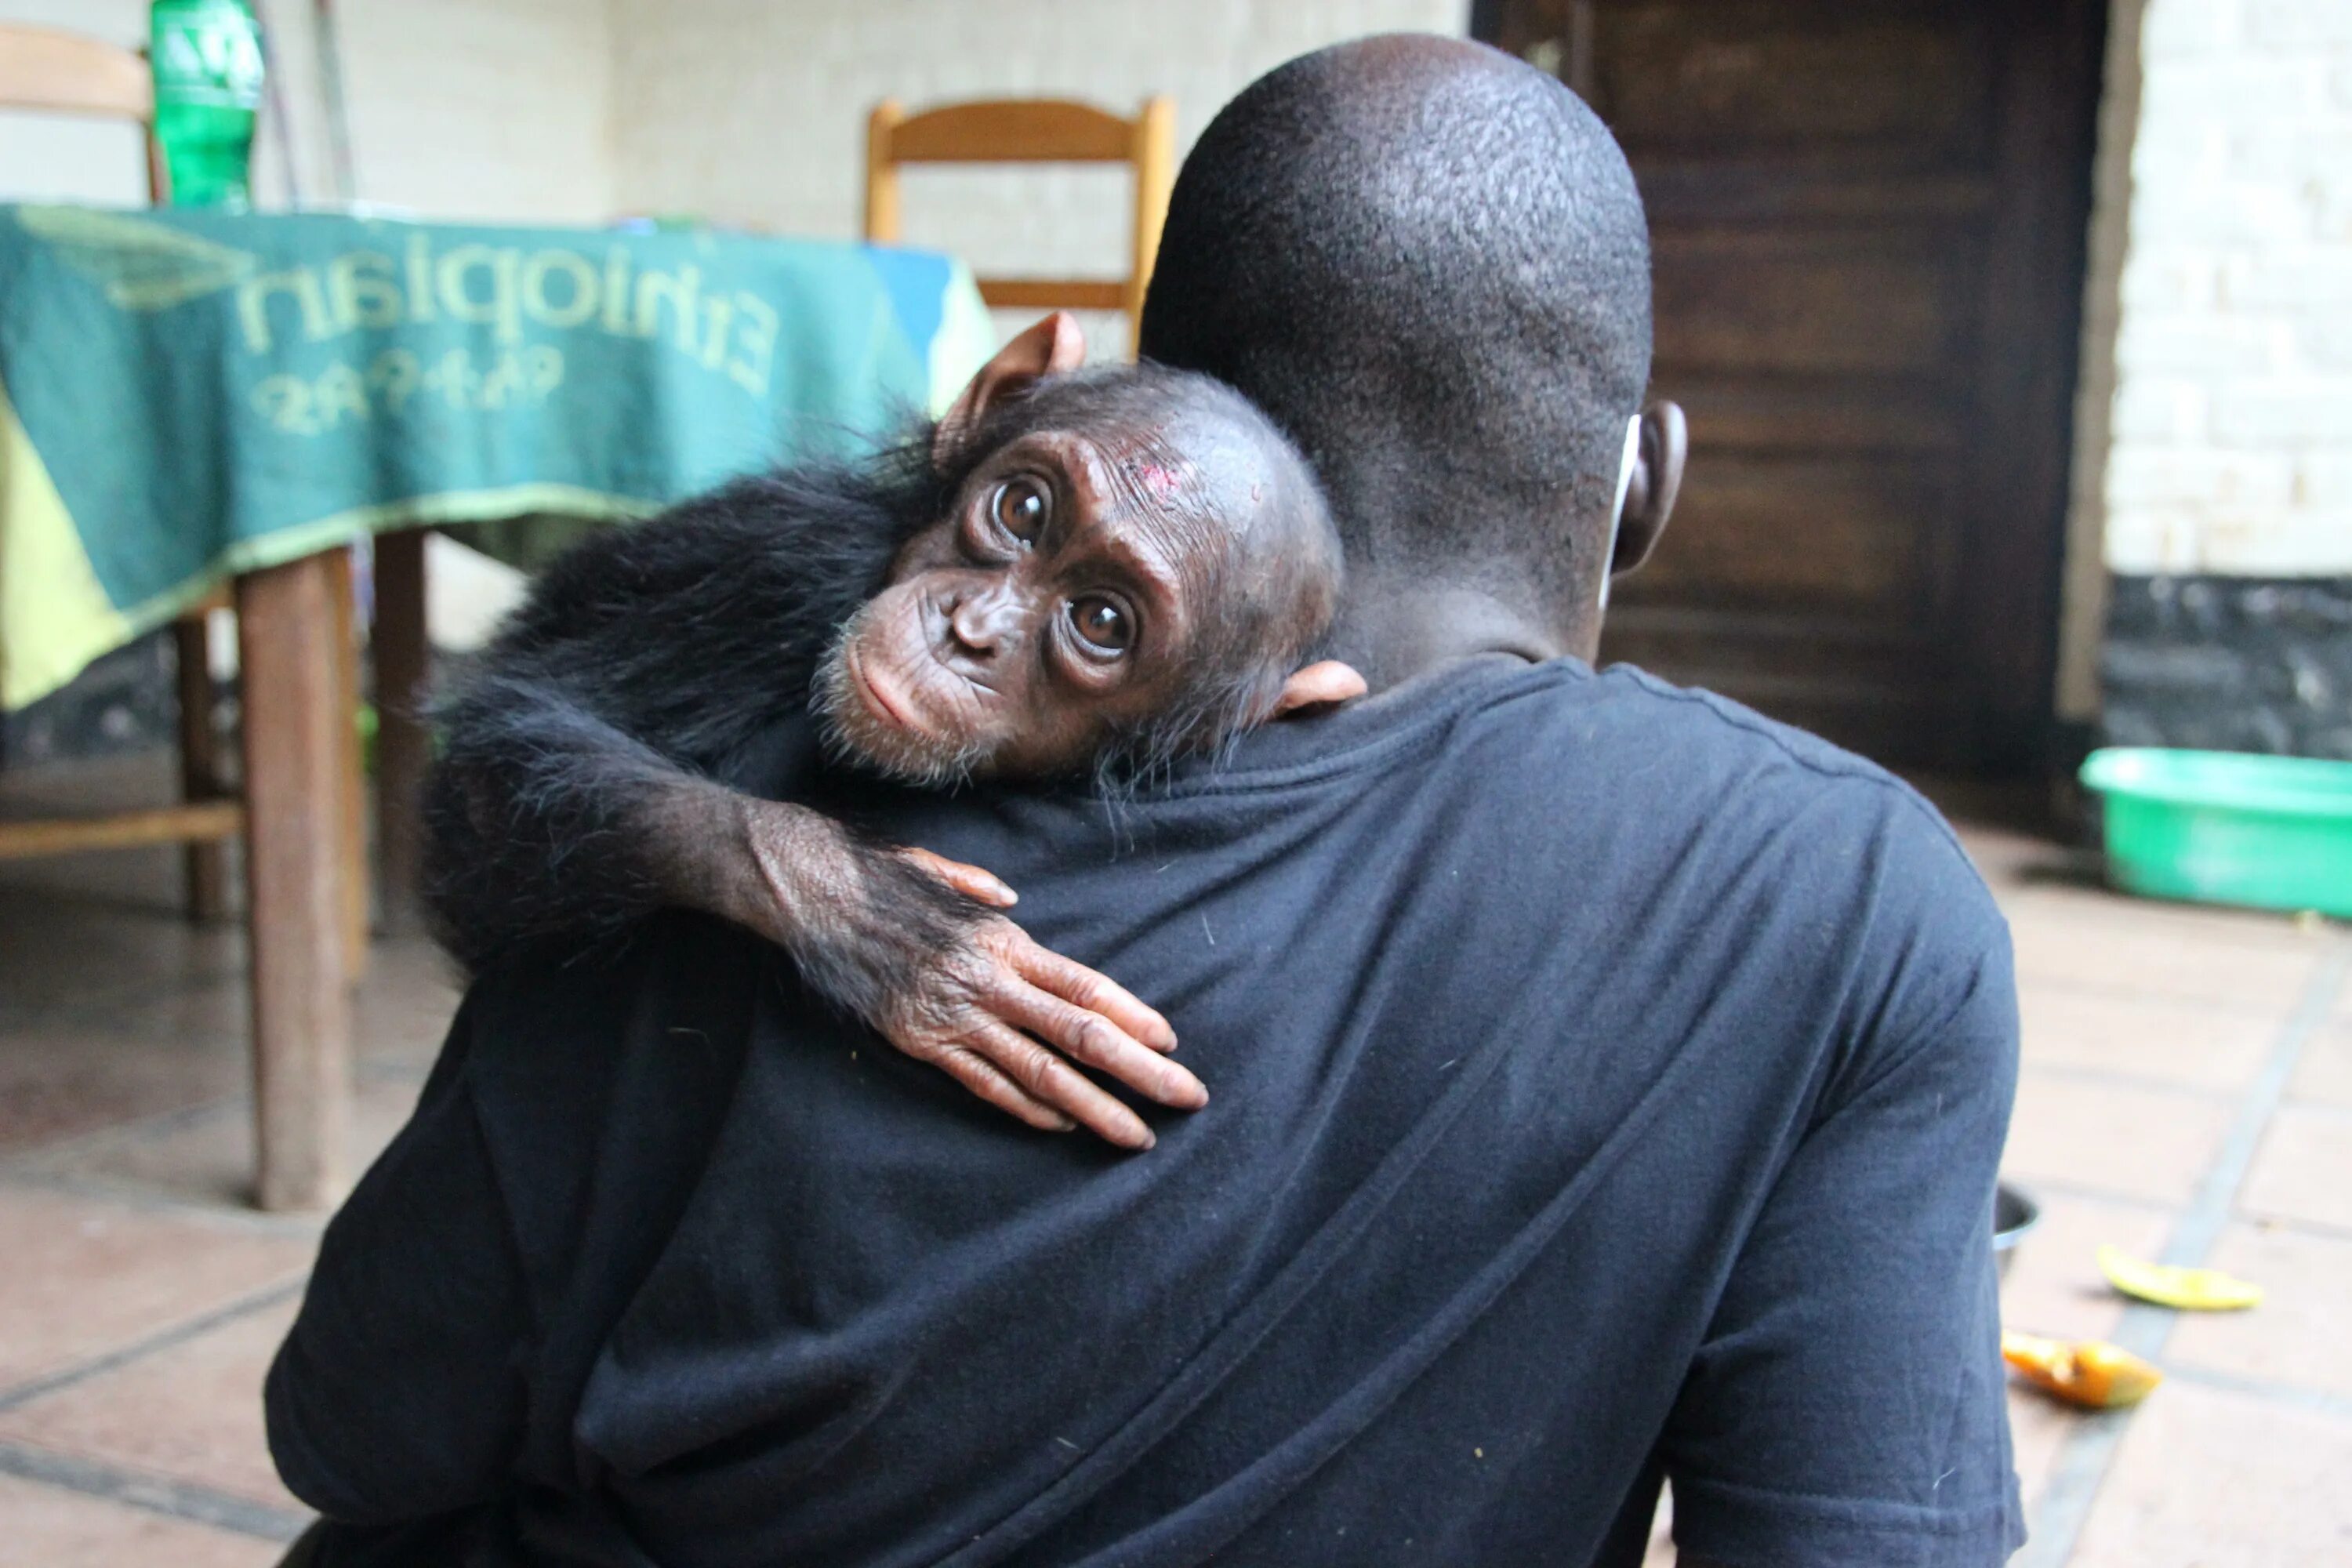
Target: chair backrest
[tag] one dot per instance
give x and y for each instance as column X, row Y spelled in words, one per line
column 1033, row 131
column 46, row 70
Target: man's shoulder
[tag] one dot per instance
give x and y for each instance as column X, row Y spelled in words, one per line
column 1621, row 753
column 1622, row 717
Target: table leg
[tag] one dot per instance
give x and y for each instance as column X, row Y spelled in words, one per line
column 403, row 671
column 296, row 740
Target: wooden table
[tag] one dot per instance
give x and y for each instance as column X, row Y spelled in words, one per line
column 311, row 380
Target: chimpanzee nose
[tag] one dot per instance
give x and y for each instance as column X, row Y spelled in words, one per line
column 984, row 621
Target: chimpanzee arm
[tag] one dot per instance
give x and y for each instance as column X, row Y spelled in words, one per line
column 581, row 783
column 584, row 782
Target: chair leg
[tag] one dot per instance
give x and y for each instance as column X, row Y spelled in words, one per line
column 351, row 802
column 200, row 780
column 403, row 665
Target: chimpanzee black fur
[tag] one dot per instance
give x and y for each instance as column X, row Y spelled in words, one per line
column 671, row 645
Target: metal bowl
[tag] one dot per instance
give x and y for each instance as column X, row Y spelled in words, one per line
column 2013, row 1213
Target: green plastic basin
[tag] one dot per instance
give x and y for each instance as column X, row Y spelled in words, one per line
column 2226, row 827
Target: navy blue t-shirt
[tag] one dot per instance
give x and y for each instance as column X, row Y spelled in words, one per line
column 1607, row 1084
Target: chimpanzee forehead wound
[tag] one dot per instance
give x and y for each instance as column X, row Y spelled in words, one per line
column 1617, row 508
column 1161, row 482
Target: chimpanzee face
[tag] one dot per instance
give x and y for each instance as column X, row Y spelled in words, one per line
column 1058, row 600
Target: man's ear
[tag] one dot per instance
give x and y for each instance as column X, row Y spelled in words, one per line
column 1319, row 686
column 1664, row 444
column 1051, row 347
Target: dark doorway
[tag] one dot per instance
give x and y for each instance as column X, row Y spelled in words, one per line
column 1868, row 219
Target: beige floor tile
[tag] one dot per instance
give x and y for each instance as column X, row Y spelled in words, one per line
column 85, row 1276
column 2074, row 888
column 2209, row 1479
column 2324, row 1077
column 190, row 1411
column 2224, row 959
column 62, row 951
column 217, row 1010
column 2165, row 1038
column 63, row 1080
column 2137, row 1142
column 206, row 1157
column 2009, row 860
column 2054, row 1287
column 49, row 1526
column 2302, row 1333
column 2038, row 1427
column 399, row 1012
column 1661, row 1553
column 2304, row 1168
column 403, row 1009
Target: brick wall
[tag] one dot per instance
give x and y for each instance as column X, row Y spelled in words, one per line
column 2210, row 577
column 2230, row 424
column 756, row 113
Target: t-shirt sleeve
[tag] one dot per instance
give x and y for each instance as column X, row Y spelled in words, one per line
column 399, row 1395
column 1846, row 1406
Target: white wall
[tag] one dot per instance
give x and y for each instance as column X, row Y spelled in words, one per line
column 461, row 109
column 496, row 109
column 754, row 110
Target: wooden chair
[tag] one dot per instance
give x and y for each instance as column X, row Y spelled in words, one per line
column 46, row 72
column 1033, row 131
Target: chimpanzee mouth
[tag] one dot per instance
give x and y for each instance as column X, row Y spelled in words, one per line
column 856, row 723
column 876, row 697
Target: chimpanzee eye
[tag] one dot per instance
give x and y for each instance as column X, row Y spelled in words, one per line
column 1020, row 507
column 1102, row 623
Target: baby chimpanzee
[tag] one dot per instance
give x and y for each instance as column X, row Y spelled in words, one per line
column 1073, row 570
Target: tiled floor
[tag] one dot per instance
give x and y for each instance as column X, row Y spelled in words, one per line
column 2187, row 1093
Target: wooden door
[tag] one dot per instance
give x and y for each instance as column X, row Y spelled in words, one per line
column 1868, row 220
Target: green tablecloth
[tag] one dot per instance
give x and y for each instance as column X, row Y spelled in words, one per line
column 188, row 394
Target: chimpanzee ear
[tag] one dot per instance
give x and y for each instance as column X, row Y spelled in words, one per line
column 1051, row 347
column 1319, row 686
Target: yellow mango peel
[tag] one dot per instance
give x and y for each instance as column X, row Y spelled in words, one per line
column 2190, row 1289
column 2089, row 1373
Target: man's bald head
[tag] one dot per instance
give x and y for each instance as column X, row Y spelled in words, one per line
column 1428, row 262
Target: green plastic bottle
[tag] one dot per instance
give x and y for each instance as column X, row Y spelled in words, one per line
column 207, row 60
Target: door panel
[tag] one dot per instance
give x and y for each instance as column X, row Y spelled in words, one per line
column 1880, row 83
column 1867, row 224
column 1825, row 301
column 1829, row 534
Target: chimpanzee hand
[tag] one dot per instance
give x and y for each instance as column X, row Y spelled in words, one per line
column 907, row 941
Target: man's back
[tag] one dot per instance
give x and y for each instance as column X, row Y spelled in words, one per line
column 1605, row 1082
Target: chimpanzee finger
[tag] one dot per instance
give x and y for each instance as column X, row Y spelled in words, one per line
column 976, row 1074
column 982, row 887
column 1095, row 1040
column 1074, row 983
column 1046, row 1077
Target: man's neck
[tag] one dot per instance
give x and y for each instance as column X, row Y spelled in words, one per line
column 1393, row 632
